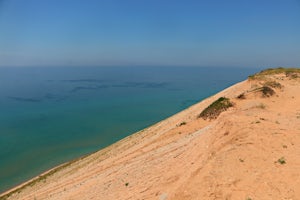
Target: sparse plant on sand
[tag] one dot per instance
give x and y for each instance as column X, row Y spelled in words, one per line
column 281, row 160
column 261, row 106
column 216, row 108
column 182, row 123
column 241, row 96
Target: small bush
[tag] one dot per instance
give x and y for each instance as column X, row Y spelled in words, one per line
column 241, row 96
column 281, row 160
column 267, row 91
column 273, row 84
column 182, row 123
column 291, row 75
column 216, row 108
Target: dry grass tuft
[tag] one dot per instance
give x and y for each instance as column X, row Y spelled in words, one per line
column 273, row 84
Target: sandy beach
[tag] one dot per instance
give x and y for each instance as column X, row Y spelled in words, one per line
column 250, row 151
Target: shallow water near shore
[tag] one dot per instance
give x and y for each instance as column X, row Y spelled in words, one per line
column 50, row 115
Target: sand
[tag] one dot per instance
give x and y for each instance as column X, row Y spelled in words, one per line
column 251, row 151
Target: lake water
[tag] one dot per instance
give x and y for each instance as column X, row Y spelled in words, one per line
column 50, row 115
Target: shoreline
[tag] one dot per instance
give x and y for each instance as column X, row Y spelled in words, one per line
column 110, row 147
column 251, row 127
column 74, row 128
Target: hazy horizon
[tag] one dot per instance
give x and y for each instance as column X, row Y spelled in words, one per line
column 150, row 33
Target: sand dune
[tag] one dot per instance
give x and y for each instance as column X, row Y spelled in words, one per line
column 250, row 151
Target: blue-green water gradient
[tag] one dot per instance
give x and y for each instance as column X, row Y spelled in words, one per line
column 50, row 115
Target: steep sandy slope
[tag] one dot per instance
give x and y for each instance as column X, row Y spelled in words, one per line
column 251, row 151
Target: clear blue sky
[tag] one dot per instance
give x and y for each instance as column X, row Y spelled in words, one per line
column 150, row 32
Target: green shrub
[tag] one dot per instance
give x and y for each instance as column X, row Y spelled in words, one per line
column 216, row 108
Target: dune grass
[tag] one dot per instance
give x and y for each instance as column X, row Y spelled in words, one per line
column 216, row 108
column 289, row 72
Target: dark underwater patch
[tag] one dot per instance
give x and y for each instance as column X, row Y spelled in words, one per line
column 97, row 87
column 141, row 85
column 22, row 99
column 82, row 80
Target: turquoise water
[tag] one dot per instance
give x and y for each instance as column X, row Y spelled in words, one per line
column 50, row 115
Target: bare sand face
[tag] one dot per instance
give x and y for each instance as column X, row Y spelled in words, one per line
column 251, row 151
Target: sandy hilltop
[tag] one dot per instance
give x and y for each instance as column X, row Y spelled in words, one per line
column 242, row 143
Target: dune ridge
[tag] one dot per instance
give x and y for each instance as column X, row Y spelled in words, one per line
column 250, row 151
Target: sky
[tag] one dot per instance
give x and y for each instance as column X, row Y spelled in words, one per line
column 244, row 33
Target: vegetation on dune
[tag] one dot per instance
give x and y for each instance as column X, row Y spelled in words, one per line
column 292, row 75
column 182, row 123
column 241, row 96
column 281, row 160
column 267, row 85
column 273, row 84
column 289, row 72
column 216, row 108
column 265, row 91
